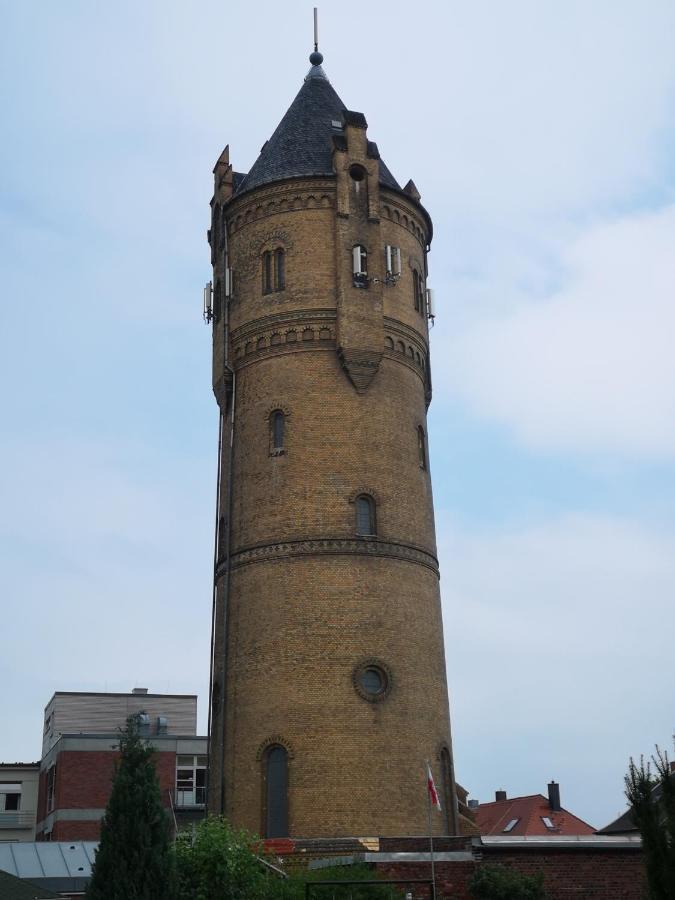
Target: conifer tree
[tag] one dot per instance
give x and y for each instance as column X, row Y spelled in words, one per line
column 134, row 860
column 652, row 802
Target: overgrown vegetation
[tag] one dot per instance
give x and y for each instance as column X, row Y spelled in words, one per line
column 296, row 885
column 219, row 862
column 134, row 860
column 652, row 803
column 500, row 883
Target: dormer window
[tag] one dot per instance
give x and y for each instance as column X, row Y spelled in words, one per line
column 274, row 270
column 360, row 266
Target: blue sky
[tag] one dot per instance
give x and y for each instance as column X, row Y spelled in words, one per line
column 541, row 137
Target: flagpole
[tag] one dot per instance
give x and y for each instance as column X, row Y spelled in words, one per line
column 431, row 842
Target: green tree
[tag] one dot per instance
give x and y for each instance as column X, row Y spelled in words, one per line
column 652, row 803
column 134, row 859
column 219, row 862
column 500, row 883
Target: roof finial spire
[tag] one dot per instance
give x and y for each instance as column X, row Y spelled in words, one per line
column 316, row 58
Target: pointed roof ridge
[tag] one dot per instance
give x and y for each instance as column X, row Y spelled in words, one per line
column 302, row 143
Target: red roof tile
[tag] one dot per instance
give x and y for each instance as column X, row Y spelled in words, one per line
column 492, row 818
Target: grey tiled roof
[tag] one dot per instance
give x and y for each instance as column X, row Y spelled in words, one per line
column 303, row 141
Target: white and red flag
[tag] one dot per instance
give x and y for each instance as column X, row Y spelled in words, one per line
column 431, row 787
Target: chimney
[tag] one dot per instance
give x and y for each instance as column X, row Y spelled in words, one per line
column 554, row 796
column 140, row 691
column 500, row 796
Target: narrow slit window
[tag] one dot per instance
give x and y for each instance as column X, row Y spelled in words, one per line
column 267, row 273
column 277, row 430
column 279, row 270
column 365, row 515
column 417, row 290
column 274, row 270
column 276, row 792
column 422, row 447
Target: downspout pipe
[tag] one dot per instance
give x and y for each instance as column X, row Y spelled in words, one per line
column 216, row 539
column 226, row 585
column 222, row 548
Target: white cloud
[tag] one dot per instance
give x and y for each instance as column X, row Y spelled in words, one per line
column 590, row 368
column 558, row 641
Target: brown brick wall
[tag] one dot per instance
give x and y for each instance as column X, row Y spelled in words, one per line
column 582, row 875
column 84, row 781
column 84, row 778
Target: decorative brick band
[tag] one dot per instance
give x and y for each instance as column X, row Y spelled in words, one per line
column 332, row 547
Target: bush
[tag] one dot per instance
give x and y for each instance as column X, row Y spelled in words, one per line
column 499, row 883
column 220, row 863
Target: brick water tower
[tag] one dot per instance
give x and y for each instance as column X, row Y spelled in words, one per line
column 328, row 684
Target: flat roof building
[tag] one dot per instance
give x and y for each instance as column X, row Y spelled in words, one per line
column 80, row 748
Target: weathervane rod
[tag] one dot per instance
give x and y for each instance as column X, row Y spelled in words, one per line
column 316, row 30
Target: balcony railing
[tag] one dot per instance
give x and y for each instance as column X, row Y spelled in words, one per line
column 195, row 797
column 15, row 819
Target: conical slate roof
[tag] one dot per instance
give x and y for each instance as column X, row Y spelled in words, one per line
column 302, row 144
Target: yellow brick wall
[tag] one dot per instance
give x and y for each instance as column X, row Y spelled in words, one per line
column 308, row 598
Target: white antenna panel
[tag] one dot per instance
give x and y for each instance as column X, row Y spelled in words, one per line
column 431, row 306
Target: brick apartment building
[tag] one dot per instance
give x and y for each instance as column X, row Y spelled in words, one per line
column 81, row 734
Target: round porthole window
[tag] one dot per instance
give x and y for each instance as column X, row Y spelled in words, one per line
column 372, row 680
column 358, row 173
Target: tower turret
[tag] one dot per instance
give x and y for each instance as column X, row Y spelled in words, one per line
column 328, row 688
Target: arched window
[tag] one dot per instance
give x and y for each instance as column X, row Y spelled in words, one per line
column 279, row 270
column 365, row 515
column 275, row 773
column 418, row 291
column 359, row 192
column 277, row 431
column 360, row 265
column 267, row 273
column 421, row 447
column 274, row 270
